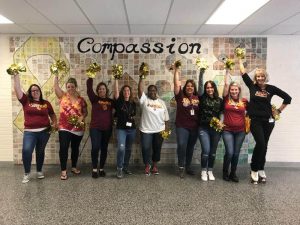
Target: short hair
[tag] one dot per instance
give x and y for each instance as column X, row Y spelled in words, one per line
column 194, row 85
column 106, row 88
column 150, row 86
column 261, row 71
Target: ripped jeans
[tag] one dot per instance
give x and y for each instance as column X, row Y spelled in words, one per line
column 209, row 139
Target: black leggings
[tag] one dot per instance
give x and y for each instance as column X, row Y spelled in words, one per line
column 261, row 131
column 65, row 137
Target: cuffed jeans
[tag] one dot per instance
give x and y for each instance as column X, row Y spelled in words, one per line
column 233, row 142
column 209, row 139
column 151, row 142
column 31, row 141
column 100, row 140
column 65, row 138
column 125, row 140
column 186, row 140
column 261, row 131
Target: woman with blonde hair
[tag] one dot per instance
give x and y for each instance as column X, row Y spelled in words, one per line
column 262, row 117
column 234, row 130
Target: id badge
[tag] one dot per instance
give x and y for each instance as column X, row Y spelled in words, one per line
column 128, row 124
column 271, row 120
column 192, row 112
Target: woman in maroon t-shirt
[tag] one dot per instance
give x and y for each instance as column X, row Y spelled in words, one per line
column 234, row 130
column 186, row 122
column 37, row 112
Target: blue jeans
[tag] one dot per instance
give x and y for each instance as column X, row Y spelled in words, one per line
column 209, row 139
column 125, row 140
column 233, row 142
column 100, row 140
column 186, row 140
column 31, row 140
column 151, row 142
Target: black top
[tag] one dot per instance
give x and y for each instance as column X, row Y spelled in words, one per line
column 260, row 100
column 209, row 108
column 125, row 111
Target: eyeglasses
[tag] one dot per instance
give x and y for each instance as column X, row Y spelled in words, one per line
column 35, row 90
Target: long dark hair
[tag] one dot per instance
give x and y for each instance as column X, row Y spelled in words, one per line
column 213, row 84
column 194, row 85
column 104, row 84
column 121, row 96
column 29, row 94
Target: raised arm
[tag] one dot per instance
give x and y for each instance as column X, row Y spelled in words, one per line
column 242, row 68
column 140, row 87
column 58, row 91
column 116, row 89
column 177, row 82
column 200, row 82
column 17, row 86
column 226, row 83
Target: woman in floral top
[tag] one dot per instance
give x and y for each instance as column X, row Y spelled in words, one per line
column 72, row 111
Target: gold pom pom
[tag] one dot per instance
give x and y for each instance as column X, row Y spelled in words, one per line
column 165, row 134
column 15, row 68
column 58, row 67
column 92, row 70
column 144, row 70
column 229, row 64
column 216, row 124
column 73, row 120
column 275, row 113
column 201, row 63
column 240, row 52
column 117, row 71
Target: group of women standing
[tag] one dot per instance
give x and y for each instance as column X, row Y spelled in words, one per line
column 195, row 111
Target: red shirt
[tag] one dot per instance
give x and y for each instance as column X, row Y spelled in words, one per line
column 36, row 113
column 187, row 111
column 234, row 114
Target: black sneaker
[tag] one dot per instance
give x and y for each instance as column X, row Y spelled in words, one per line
column 225, row 176
column 233, row 177
column 102, row 173
column 94, row 174
column 127, row 171
column 189, row 171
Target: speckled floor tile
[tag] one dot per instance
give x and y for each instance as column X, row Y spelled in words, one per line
column 137, row 199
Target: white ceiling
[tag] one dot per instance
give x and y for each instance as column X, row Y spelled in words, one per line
column 143, row 17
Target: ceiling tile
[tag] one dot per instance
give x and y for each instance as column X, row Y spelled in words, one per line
column 249, row 29
column 215, row 29
column 12, row 29
column 60, row 12
column 289, row 26
column 104, row 11
column 77, row 29
column 43, row 28
column 21, row 12
column 112, row 29
column 147, row 12
column 147, row 29
column 181, row 29
column 192, row 11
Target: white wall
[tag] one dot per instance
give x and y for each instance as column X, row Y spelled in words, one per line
column 6, row 135
column 283, row 65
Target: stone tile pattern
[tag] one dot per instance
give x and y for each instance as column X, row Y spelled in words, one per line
column 40, row 54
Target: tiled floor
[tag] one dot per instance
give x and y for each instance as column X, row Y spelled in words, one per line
column 137, row 199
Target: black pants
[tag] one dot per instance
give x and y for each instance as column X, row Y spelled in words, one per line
column 65, row 138
column 151, row 143
column 100, row 140
column 261, row 131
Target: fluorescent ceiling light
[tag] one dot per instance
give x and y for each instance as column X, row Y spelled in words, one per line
column 4, row 20
column 235, row 11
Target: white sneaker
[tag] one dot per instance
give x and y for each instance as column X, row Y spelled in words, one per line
column 204, row 175
column 40, row 175
column 254, row 177
column 26, row 178
column 210, row 175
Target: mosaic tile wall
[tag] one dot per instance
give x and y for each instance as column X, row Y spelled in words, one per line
column 38, row 53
